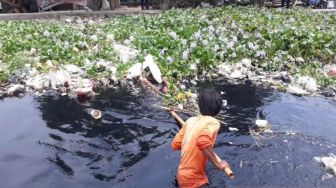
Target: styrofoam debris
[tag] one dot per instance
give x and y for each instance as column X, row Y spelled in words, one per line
column 296, row 90
column 180, row 106
column 135, row 71
column 153, row 67
column 15, row 89
column 59, row 77
column 224, row 102
column 307, row 83
column 236, row 74
column 329, row 162
column 72, row 68
column 261, row 123
column 233, row 129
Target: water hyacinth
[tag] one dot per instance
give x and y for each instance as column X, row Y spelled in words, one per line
column 46, row 33
column 185, row 55
column 193, row 67
column 211, row 29
column 94, row 38
column 197, row 35
column 170, row 60
column 173, row 35
column 29, row 36
column 205, row 42
column 131, row 38
column 253, row 46
column 230, row 45
column 66, row 44
column 260, row 53
column 211, row 35
column 193, row 46
column 184, row 42
column 162, row 52
column 235, row 39
column 83, row 44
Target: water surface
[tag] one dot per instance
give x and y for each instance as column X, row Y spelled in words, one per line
column 52, row 141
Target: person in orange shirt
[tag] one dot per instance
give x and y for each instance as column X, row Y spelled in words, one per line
column 196, row 140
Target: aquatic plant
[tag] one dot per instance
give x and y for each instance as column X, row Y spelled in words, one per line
column 183, row 42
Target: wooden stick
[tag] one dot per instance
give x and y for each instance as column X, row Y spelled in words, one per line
column 229, row 172
column 150, row 85
column 178, row 119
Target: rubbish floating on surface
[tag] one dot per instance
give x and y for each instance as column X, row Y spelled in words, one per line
column 236, row 74
column 307, row 83
column 224, row 102
column 329, row 162
column 15, row 89
column 233, row 129
column 96, row 114
column 268, row 131
column 165, row 89
column 330, row 70
column 261, row 123
column 296, row 90
column 180, row 106
column 82, row 92
column 153, row 68
column 135, row 71
column 147, row 66
column 261, row 114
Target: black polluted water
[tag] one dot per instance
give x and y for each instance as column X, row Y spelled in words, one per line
column 52, row 141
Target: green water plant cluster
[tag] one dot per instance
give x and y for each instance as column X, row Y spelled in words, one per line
column 185, row 42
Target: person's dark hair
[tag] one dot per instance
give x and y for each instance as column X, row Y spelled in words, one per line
column 209, row 102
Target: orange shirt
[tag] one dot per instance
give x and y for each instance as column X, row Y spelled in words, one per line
column 199, row 133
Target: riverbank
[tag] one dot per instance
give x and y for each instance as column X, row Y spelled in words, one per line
column 291, row 50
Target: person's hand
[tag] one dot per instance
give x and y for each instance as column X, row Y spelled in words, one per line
column 223, row 164
column 172, row 109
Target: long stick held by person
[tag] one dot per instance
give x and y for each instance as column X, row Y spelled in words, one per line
column 196, row 140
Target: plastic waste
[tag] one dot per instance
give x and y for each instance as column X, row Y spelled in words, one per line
column 153, row 67
column 329, row 162
column 261, row 123
column 233, row 129
column 96, row 114
column 135, row 71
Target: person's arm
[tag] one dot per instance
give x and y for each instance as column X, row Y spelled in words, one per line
column 213, row 157
column 205, row 143
column 177, row 142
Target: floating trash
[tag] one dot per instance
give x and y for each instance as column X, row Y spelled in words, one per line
column 96, row 114
column 153, row 68
column 180, row 106
column 268, row 131
column 82, row 92
column 224, row 102
column 329, row 162
column 15, row 89
column 233, row 129
column 135, row 71
column 261, row 123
